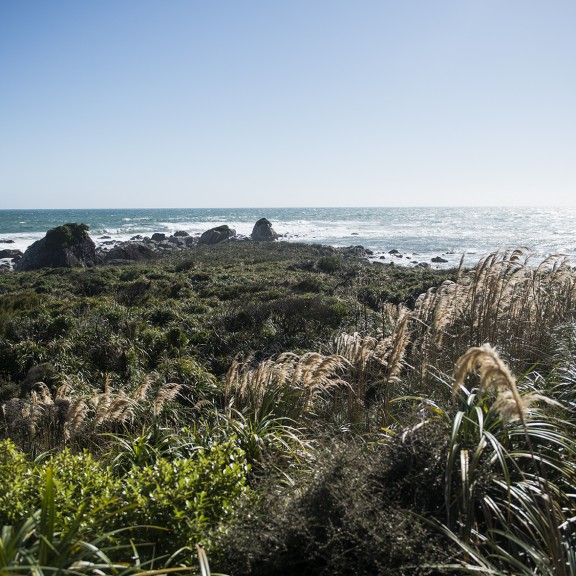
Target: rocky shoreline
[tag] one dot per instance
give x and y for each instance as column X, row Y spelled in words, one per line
column 70, row 246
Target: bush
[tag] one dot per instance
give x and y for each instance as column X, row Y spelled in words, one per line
column 344, row 520
column 187, row 497
column 18, row 485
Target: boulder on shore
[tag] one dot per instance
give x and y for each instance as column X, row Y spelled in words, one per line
column 66, row 246
column 129, row 252
column 217, row 235
column 10, row 254
column 263, row 231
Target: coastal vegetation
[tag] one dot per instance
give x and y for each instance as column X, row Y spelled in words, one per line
column 285, row 409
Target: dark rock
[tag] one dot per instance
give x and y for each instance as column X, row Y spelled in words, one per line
column 105, row 237
column 439, row 260
column 217, row 235
column 137, row 237
column 394, row 251
column 176, row 240
column 191, row 241
column 353, row 251
column 423, row 265
column 181, row 233
column 131, row 252
column 263, row 231
column 6, row 241
column 158, row 236
column 67, row 246
column 302, row 265
column 10, row 253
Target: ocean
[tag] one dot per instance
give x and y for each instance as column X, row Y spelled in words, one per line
column 419, row 234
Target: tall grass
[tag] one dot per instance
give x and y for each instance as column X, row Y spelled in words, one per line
column 504, row 301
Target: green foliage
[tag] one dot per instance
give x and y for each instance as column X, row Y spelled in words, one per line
column 188, row 497
column 66, row 235
column 341, row 518
column 329, row 264
column 18, row 485
column 49, row 507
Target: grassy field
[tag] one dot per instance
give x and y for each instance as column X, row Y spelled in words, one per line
column 286, row 409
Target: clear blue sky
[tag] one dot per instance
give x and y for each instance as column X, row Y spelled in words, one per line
column 222, row 103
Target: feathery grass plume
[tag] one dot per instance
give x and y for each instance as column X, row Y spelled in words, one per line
column 287, row 374
column 101, row 403
column 504, row 300
column 400, row 340
column 62, row 392
column 370, row 358
column 358, row 350
column 141, row 393
column 120, row 408
column 495, row 377
column 166, row 393
column 75, row 417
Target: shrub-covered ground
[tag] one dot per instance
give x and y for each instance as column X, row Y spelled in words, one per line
column 291, row 410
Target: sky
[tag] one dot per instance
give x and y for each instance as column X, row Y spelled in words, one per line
column 273, row 103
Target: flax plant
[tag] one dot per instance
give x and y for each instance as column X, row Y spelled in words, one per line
column 510, row 473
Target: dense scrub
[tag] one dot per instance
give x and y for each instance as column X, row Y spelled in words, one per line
column 291, row 410
column 178, row 318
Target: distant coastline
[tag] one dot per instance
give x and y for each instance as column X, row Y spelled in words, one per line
column 419, row 233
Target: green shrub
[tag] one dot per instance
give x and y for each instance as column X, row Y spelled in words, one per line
column 19, row 485
column 82, row 480
column 329, row 264
column 188, row 497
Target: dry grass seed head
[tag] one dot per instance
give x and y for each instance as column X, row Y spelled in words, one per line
column 75, row 417
column 121, row 409
column 62, row 392
column 495, row 377
column 141, row 393
column 166, row 393
column 400, row 341
column 101, row 403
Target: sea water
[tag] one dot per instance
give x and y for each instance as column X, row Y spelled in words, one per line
column 419, row 234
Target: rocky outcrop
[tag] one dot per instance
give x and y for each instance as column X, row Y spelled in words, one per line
column 263, row 231
column 67, row 246
column 10, row 254
column 217, row 235
column 129, row 252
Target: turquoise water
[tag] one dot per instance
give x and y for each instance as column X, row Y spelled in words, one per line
column 419, row 232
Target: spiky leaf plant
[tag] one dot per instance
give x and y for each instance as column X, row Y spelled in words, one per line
column 510, row 473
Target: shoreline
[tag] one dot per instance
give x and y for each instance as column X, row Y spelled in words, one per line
column 183, row 240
